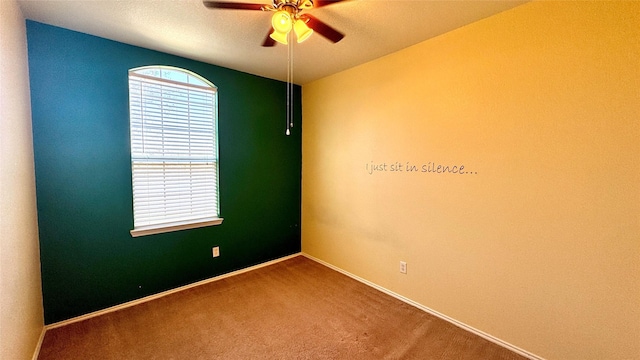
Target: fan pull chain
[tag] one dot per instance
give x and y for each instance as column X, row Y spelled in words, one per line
column 289, row 86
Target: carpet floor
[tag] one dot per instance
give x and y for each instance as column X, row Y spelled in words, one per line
column 294, row 309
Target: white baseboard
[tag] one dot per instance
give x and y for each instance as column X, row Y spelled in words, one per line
column 453, row 321
column 357, row 278
column 164, row 293
column 36, row 352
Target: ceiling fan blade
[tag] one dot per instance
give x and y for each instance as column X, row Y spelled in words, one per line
column 231, row 5
column 321, row 3
column 268, row 41
column 322, row 28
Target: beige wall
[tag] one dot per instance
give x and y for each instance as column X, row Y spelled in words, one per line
column 21, row 314
column 538, row 243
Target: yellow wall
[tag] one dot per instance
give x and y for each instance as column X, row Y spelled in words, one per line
column 538, row 243
column 21, row 314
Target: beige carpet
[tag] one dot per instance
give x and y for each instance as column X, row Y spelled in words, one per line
column 295, row 309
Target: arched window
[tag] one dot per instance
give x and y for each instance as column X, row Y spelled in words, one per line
column 174, row 150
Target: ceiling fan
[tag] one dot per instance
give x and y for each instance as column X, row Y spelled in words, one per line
column 287, row 15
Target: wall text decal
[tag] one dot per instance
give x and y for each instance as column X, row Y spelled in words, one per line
column 431, row 167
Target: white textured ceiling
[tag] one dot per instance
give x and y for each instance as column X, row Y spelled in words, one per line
column 232, row 38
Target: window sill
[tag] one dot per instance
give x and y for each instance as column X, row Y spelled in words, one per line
column 176, row 226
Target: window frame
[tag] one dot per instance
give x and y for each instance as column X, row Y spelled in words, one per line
column 196, row 222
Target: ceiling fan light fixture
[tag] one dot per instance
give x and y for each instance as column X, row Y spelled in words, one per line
column 282, row 24
column 305, row 4
column 302, row 30
column 280, row 37
column 281, row 21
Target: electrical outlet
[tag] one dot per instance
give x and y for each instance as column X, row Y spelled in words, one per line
column 216, row 251
column 403, row 267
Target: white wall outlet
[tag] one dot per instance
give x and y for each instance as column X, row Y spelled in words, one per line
column 216, row 251
column 403, row 267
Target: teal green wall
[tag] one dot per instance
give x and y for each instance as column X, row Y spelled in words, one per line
column 79, row 94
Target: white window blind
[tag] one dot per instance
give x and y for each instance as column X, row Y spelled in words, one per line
column 173, row 148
